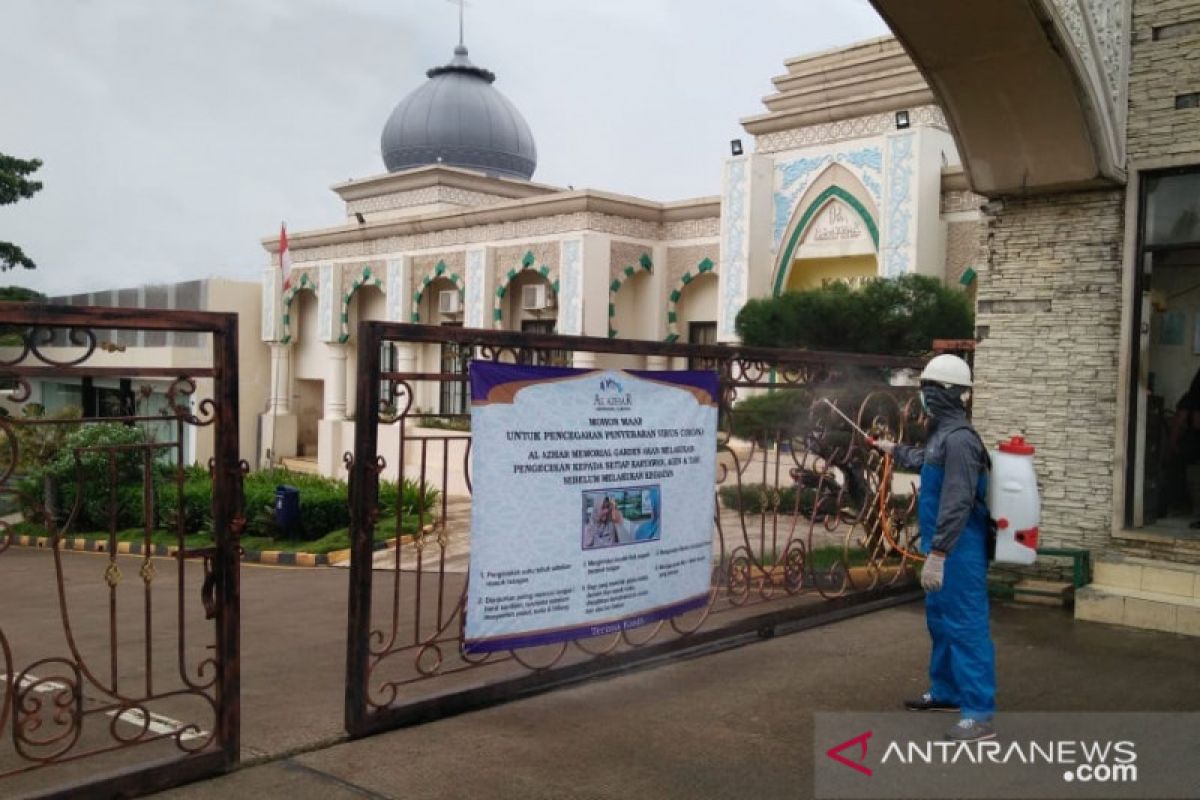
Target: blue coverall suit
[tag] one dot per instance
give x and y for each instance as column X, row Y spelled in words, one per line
column 953, row 465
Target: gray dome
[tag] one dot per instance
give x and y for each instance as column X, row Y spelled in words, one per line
column 459, row 119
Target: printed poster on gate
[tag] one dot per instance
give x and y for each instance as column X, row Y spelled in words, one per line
column 592, row 503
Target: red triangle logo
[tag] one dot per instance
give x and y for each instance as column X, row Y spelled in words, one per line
column 835, row 752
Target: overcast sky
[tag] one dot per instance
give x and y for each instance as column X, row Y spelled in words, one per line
column 178, row 133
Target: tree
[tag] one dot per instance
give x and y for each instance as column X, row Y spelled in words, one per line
column 892, row 316
column 19, row 294
column 15, row 185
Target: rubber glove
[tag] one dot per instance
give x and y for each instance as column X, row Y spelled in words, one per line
column 882, row 445
column 934, row 573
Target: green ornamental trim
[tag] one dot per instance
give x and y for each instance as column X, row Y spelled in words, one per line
column 364, row 278
column 785, row 262
column 703, row 267
column 647, row 265
column 304, row 284
column 439, row 271
column 527, row 262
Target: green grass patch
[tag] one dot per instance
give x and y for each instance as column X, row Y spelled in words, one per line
column 826, row 557
column 822, row 558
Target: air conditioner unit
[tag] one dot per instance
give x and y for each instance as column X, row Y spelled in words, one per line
column 449, row 301
column 536, row 297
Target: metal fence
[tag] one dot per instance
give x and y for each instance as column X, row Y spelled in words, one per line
column 119, row 671
column 807, row 525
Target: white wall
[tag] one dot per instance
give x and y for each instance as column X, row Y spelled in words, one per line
column 632, row 320
column 368, row 302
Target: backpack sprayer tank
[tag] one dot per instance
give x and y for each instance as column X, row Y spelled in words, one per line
column 1014, row 502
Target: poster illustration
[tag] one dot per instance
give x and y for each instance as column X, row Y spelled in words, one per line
column 592, row 501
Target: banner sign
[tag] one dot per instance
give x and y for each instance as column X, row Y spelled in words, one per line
column 592, row 502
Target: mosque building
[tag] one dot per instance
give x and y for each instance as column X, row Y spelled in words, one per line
column 853, row 174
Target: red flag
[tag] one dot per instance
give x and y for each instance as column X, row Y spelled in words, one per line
column 285, row 257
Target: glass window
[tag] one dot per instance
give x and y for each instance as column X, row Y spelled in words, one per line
column 702, row 333
column 1173, row 209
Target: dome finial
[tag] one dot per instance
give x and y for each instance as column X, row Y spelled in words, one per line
column 461, row 13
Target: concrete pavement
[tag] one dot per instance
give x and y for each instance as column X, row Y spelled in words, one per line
column 734, row 724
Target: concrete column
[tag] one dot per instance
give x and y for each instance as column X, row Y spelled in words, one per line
column 406, row 357
column 595, row 255
column 281, row 379
column 595, row 252
column 660, row 363
column 278, row 425
column 335, row 385
column 656, row 313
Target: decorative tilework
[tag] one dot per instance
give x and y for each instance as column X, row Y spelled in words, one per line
column 570, row 296
column 483, row 234
column 395, row 290
column 794, row 177
column 325, row 304
column 475, row 289
column 845, row 129
column 898, row 241
column 428, row 195
column 734, row 251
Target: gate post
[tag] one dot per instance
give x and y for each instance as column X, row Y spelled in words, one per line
column 228, row 523
column 364, row 496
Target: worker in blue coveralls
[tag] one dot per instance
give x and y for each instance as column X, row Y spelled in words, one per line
column 953, row 518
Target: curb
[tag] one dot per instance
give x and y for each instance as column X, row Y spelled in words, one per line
column 284, row 558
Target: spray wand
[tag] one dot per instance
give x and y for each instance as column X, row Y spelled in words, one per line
column 884, row 485
column 840, row 413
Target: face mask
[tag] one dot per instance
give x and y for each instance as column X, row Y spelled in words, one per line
column 924, row 402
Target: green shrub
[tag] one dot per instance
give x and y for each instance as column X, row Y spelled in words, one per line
column 81, row 464
column 789, row 414
column 896, row 316
column 755, row 498
column 197, row 501
column 393, row 498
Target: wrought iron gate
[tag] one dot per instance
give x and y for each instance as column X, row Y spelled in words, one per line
column 806, row 529
column 120, row 664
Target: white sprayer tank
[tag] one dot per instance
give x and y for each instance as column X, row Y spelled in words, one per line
column 1014, row 502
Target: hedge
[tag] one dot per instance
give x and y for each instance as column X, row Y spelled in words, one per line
column 323, row 501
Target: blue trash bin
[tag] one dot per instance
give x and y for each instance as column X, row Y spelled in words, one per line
column 287, row 508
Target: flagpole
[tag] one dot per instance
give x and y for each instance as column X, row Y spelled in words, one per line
column 276, row 361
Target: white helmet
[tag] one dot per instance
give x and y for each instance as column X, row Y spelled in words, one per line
column 947, row 369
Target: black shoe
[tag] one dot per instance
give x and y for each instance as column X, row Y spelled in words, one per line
column 926, row 703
